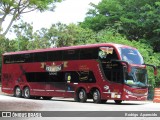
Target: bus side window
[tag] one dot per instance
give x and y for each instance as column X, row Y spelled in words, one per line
column 80, row 77
column 54, row 56
column 112, row 70
column 40, row 57
column 91, row 53
column 28, row 57
column 6, row 59
column 71, row 55
column 17, row 58
column 57, row 77
column 107, row 53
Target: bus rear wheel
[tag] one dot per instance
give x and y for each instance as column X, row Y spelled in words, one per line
column 26, row 93
column 96, row 96
column 82, row 96
column 17, row 92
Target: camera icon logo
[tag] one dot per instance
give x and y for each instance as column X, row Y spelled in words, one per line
column 6, row 114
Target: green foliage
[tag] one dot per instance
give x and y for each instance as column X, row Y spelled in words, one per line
column 5, row 46
column 138, row 19
column 65, row 35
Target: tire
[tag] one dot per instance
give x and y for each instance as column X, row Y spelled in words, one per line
column 118, row 101
column 82, row 96
column 96, row 96
column 18, row 92
column 26, row 93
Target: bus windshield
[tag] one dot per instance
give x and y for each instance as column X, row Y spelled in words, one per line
column 132, row 56
column 137, row 77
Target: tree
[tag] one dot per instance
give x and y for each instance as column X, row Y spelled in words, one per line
column 138, row 19
column 24, row 33
column 15, row 8
column 60, row 35
column 5, row 46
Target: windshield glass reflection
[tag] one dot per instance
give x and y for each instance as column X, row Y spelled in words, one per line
column 138, row 77
column 132, row 56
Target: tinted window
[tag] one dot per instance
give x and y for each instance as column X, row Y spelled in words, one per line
column 40, row 57
column 91, row 53
column 56, row 77
column 55, row 56
column 107, row 53
column 45, row 77
column 80, row 77
column 6, row 59
column 14, row 59
column 131, row 56
column 28, row 57
column 71, row 55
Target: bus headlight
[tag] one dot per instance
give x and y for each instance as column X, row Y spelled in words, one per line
column 146, row 93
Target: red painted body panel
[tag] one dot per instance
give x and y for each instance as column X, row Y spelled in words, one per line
column 13, row 75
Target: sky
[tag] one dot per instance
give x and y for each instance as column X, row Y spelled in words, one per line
column 68, row 11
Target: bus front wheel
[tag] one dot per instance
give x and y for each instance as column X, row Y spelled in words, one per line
column 17, row 92
column 27, row 93
column 82, row 96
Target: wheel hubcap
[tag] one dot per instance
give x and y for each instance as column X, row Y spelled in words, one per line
column 26, row 92
column 95, row 96
column 81, row 95
column 18, row 91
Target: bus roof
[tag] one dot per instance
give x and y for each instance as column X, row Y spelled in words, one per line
column 68, row 48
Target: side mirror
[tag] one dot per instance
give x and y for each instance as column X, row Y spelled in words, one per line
column 155, row 72
column 154, row 67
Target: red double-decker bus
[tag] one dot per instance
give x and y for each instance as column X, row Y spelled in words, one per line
column 100, row 72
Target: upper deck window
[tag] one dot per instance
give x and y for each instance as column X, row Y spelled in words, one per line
column 132, row 56
column 107, row 54
column 89, row 53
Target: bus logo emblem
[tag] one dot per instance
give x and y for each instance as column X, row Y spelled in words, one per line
column 53, row 67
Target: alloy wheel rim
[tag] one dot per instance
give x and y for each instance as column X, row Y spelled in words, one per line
column 26, row 93
column 95, row 95
column 18, row 91
column 81, row 95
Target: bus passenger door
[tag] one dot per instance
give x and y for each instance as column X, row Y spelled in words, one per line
column 117, row 81
column 70, row 89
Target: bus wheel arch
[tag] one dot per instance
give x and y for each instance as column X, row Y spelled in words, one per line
column 26, row 92
column 80, row 95
column 17, row 91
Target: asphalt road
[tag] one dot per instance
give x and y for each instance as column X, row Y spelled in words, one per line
column 10, row 103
